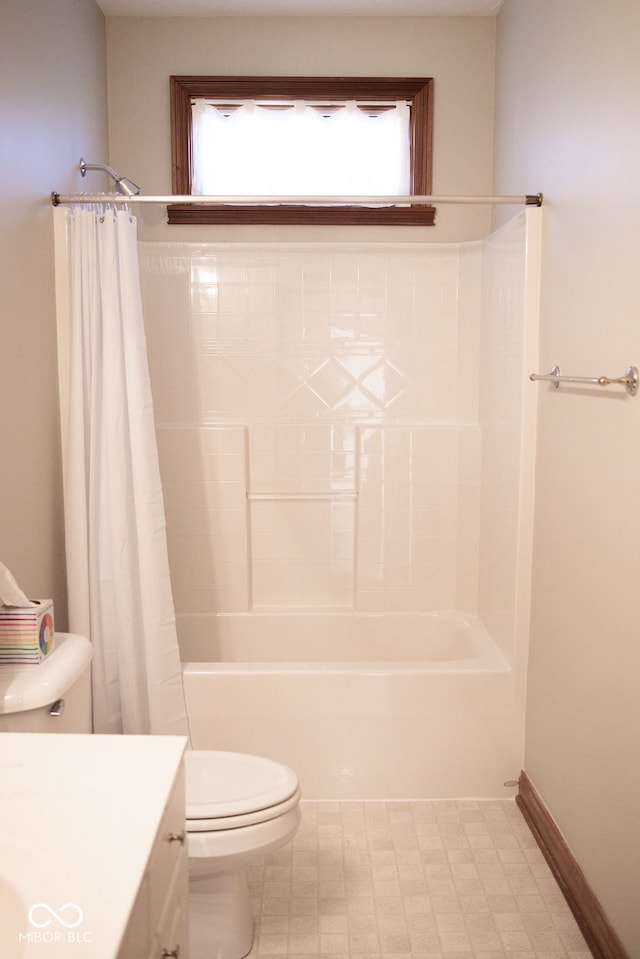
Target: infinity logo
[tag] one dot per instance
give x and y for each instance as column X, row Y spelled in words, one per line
column 76, row 910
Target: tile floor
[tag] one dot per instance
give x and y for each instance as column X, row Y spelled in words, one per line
column 411, row 880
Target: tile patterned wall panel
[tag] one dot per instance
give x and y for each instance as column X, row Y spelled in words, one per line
column 501, row 360
column 468, row 511
column 355, row 332
column 339, row 369
column 302, row 552
column 204, row 479
column 302, row 457
column 469, row 332
column 409, row 533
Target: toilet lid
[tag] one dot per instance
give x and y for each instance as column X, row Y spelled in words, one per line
column 223, row 784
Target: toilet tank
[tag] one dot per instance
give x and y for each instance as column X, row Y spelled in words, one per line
column 53, row 697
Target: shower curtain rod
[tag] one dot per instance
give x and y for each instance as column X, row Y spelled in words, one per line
column 530, row 199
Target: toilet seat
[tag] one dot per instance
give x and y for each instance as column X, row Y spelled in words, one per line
column 228, row 790
column 247, row 819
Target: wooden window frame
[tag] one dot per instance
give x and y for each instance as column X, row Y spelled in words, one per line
column 418, row 91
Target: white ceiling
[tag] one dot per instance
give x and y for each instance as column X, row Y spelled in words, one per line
column 300, row 8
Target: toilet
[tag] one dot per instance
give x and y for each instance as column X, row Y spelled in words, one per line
column 239, row 807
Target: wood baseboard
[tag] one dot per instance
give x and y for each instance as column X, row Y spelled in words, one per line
column 594, row 925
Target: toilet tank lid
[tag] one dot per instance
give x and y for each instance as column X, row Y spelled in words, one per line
column 30, row 687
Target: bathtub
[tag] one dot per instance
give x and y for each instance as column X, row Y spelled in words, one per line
column 361, row 705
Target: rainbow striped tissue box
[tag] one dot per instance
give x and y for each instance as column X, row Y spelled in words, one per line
column 26, row 633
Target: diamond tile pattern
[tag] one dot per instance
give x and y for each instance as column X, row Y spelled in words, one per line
column 346, row 317
column 330, row 382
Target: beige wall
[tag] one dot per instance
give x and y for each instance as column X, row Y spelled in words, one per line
column 457, row 52
column 568, row 86
column 52, row 111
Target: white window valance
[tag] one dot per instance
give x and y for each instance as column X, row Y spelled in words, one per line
column 256, row 150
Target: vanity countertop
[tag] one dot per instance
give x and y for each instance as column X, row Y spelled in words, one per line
column 78, row 818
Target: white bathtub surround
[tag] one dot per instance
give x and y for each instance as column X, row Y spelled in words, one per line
column 507, row 416
column 435, row 641
column 345, row 428
column 333, row 421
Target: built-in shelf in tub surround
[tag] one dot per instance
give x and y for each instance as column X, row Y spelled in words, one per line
column 87, row 865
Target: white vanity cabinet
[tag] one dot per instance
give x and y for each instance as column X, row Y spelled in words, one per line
column 158, row 926
column 93, row 857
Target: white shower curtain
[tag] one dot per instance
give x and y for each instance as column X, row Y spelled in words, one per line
column 117, row 566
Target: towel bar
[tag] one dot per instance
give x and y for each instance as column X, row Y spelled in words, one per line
column 629, row 380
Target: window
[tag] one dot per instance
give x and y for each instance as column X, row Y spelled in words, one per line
column 383, row 97
column 327, row 149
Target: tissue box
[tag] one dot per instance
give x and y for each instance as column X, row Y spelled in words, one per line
column 26, row 633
